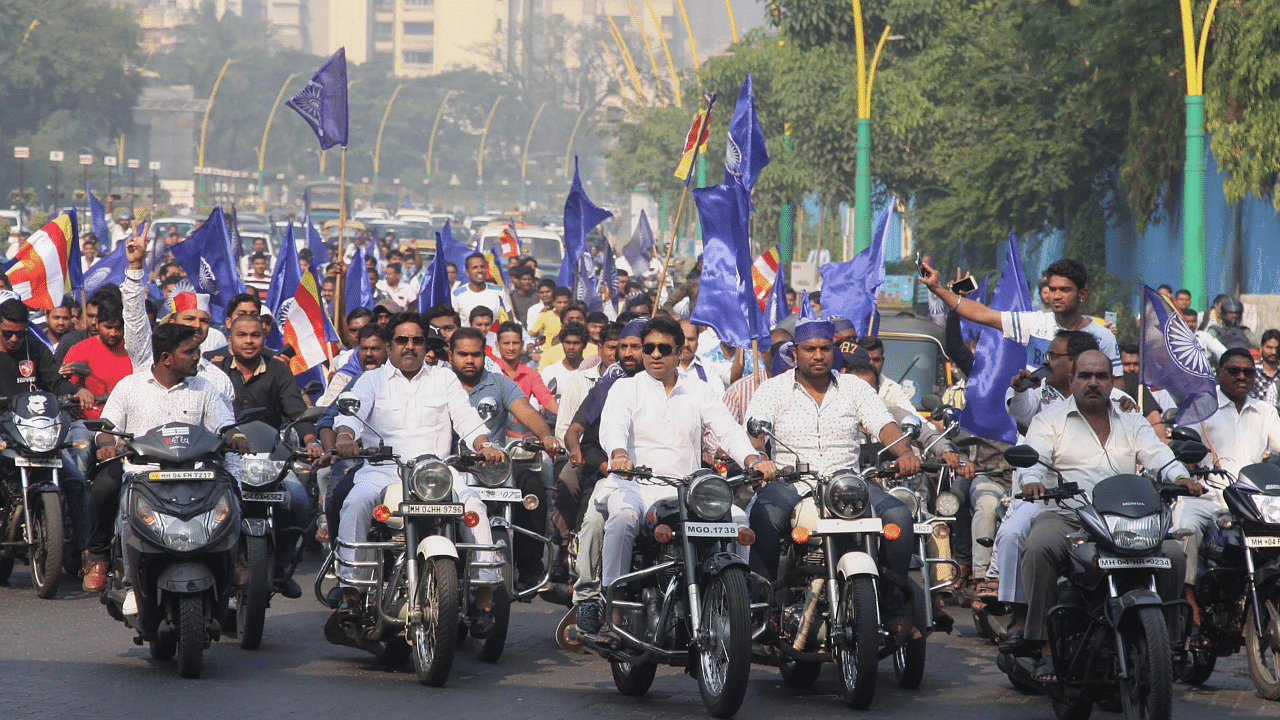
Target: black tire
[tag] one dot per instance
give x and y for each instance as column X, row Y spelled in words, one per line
column 191, row 635
column 725, row 664
column 858, row 664
column 1070, row 707
column 1197, row 668
column 252, row 599
column 6, row 569
column 1148, row 693
column 435, row 640
column 1264, row 661
column 72, row 561
column 908, row 663
column 633, row 679
column 490, row 649
column 46, row 545
column 799, row 673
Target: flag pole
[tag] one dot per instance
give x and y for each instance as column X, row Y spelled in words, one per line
column 675, row 229
column 340, row 321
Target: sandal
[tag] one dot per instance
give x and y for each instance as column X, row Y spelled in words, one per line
column 1044, row 670
column 989, row 588
column 1018, row 645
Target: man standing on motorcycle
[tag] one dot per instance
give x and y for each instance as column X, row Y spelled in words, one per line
column 818, row 414
column 1242, row 431
column 508, row 415
column 1086, row 439
column 657, row 419
column 416, row 409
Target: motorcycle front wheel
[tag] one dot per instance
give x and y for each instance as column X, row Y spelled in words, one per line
column 435, row 638
column 1264, row 650
column 489, row 649
column 858, row 661
column 46, row 545
column 191, row 635
column 724, row 662
column 252, row 599
column 1147, row 694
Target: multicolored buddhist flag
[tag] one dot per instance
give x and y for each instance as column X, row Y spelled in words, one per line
column 509, row 243
column 38, row 272
column 499, row 277
column 696, row 141
column 764, row 273
column 294, row 300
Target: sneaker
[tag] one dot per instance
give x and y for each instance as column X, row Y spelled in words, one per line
column 589, row 612
column 130, row 605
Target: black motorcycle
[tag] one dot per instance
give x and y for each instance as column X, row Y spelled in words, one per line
column 31, row 502
column 1109, row 629
column 177, row 542
column 686, row 601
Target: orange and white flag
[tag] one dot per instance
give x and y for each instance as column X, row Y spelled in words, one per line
column 38, row 273
column 764, row 273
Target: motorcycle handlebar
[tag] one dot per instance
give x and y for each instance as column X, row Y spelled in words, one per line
column 1066, row 492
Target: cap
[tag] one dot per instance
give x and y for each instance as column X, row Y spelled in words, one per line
column 126, row 215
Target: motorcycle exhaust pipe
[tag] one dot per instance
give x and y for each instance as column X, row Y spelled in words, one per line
column 810, row 609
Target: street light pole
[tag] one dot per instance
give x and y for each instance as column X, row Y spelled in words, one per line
column 1194, row 276
column 866, row 78
column 524, row 157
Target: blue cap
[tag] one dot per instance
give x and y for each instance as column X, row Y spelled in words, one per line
column 810, row 329
column 634, row 328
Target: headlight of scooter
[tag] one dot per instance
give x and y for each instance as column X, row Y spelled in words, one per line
column 178, row 534
column 431, row 480
column 39, row 433
column 847, row 495
column 710, row 497
column 258, row 470
column 1139, row 534
column 1268, row 508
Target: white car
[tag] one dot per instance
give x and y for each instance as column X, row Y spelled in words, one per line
column 546, row 246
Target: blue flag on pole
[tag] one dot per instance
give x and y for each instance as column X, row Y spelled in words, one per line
column 580, row 217
column 356, row 291
column 206, row 257
column 776, row 309
column 969, row 330
column 98, row 219
column 745, row 156
column 1173, row 360
column 435, row 288
column 109, row 270
column 319, row 251
column 323, row 102
column 452, row 250
column 609, row 271
column 638, row 249
column 726, row 295
column 806, row 307
column 585, row 287
column 284, row 280
column 997, row 359
column 849, row 288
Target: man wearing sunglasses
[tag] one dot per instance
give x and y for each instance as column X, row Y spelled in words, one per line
column 26, row 364
column 1242, row 432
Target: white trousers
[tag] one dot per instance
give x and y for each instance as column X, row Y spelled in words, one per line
column 1007, row 553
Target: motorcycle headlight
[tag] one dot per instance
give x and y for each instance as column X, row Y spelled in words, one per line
column 178, row 534
column 40, row 434
column 907, row 497
column 1268, row 508
column 710, row 497
column 491, row 474
column 1142, row 533
column 258, row 470
column 948, row 504
column 847, row 495
column 431, row 481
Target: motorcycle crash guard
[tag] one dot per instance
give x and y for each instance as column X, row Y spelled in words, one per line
column 1117, row 607
column 717, row 563
column 257, row 527
column 437, row 546
column 185, row 577
column 857, row 563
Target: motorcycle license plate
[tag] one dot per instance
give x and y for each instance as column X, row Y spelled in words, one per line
column 716, row 530
column 833, row 526
column 922, row 528
column 181, row 475
column 37, row 462
column 431, row 509
column 268, row 497
column 1130, row 563
column 500, row 494
column 1262, row 542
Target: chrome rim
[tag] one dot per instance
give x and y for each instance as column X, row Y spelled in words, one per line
column 714, row 657
column 424, row 631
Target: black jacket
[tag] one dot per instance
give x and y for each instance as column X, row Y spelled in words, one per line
column 32, row 367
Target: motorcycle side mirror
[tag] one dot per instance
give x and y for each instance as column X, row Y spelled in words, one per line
column 1169, row 416
column 80, row 368
column 947, row 414
column 931, row 403
column 99, row 425
column 1185, row 434
column 757, row 428
column 1022, row 456
column 313, row 388
column 1189, row 451
column 348, row 404
column 911, row 426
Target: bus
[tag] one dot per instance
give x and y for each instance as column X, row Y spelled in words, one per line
column 322, row 200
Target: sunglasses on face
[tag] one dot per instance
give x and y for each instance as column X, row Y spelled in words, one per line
column 663, row 349
column 8, row 334
column 416, row 340
column 1235, row 371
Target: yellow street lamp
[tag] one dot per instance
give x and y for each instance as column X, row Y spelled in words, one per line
column 204, row 125
column 377, row 146
column 266, row 131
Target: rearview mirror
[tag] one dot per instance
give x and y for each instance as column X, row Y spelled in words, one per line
column 911, row 426
column 1022, row 456
column 348, row 403
column 80, row 369
column 1188, row 451
column 315, row 387
column 1185, row 434
column 250, row 414
column 100, row 425
column 757, row 428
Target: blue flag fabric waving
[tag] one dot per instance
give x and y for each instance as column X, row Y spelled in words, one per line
column 806, row 307
column 997, row 359
column 637, row 250
column 284, row 280
column 206, row 256
column 969, row 330
column 745, row 156
column 323, row 102
column 585, row 287
column 356, row 291
column 1173, row 360
column 580, row 217
column 849, row 288
column 109, row 270
column 452, row 250
column 726, row 296
column 435, row 285
column 609, row 272
column 777, row 309
column 319, row 251
column 98, row 219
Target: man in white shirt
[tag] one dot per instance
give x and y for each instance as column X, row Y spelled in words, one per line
column 656, row 419
column 477, row 292
column 573, row 340
column 122, row 229
column 1068, row 289
column 415, row 408
column 691, row 363
column 393, row 285
column 1087, row 440
column 1241, row 432
column 88, row 252
column 546, row 287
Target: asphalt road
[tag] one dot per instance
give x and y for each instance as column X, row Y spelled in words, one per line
column 65, row 658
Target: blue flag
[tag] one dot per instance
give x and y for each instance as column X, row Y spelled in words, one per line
column 284, row 280
column 452, row 250
column 319, row 251
column 206, row 256
column 435, row 288
column 638, row 249
column 609, row 271
column 356, row 291
column 75, row 268
column 98, row 219
column 1173, row 360
column 776, row 308
column 585, row 287
column 849, row 288
column 996, row 359
column 806, row 307
column 745, row 156
column 969, row 330
column 323, row 102
column 109, row 270
column 580, row 217
column 726, row 295
column 233, row 236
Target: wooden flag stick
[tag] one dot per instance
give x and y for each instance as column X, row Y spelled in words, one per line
column 662, row 276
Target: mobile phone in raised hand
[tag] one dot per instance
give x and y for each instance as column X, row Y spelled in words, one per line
column 964, row 285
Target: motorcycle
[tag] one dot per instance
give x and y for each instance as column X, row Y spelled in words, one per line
column 1237, row 591
column 686, row 601
column 416, row 605
column 271, row 458
column 31, row 502
column 176, row 542
column 825, row 604
column 1109, row 629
